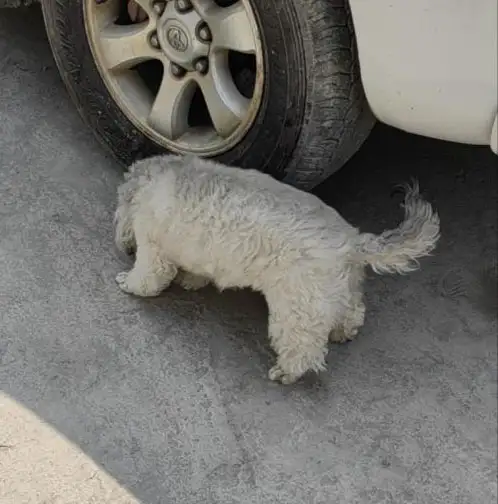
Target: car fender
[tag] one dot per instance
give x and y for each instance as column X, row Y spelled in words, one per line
column 430, row 68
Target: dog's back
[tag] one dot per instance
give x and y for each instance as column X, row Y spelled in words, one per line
column 231, row 224
column 198, row 207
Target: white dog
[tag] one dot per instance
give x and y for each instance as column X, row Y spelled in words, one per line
column 196, row 221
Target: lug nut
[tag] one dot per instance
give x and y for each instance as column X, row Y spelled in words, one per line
column 177, row 71
column 154, row 41
column 203, row 32
column 159, row 7
column 183, row 6
column 202, row 66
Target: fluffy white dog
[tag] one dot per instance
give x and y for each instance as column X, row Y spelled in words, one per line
column 195, row 221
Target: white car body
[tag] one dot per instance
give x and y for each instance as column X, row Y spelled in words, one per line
column 429, row 67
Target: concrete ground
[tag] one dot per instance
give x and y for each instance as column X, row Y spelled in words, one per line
column 107, row 398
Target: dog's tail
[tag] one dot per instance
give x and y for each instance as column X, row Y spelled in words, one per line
column 398, row 250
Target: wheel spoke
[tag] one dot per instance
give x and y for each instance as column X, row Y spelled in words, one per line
column 108, row 11
column 105, row 13
column 226, row 106
column 125, row 46
column 230, row 26
column 205, row 8
column 169, row 113
column 146, row 5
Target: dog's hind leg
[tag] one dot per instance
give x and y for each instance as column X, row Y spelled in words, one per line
column 299, row 335
column 190, row 281
column 354, row 309
column 151, row 273
column 351, row 324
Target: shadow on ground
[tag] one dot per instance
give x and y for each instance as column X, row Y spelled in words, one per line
column 170, row 396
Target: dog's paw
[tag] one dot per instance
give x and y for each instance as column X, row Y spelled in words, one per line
column 342, row 336
column 121, row 280
column 125, row 283
column 131, row 283
column 276, row 373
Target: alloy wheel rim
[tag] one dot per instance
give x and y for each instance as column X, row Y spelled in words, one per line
column 193, row 41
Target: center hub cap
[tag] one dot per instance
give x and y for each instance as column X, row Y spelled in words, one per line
column 177, row 36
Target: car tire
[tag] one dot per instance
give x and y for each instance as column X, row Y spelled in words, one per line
column 313, row 117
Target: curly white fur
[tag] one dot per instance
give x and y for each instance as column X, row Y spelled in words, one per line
column 196, row 221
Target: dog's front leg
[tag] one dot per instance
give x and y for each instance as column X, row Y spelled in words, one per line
column 150, row 275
